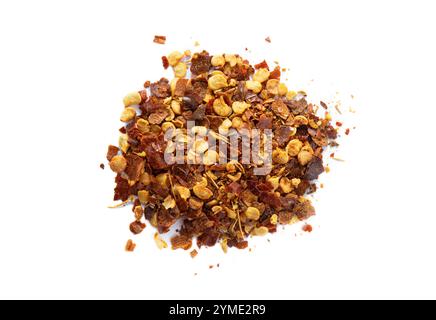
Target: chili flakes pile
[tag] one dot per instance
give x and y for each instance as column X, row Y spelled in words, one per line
column 215, row 202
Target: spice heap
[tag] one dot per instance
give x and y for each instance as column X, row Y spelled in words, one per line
column 217, row 201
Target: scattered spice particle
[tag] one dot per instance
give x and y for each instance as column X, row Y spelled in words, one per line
column 347, row 131
column 338, row 123
column 102, row 166
column 217, row 265
column 307, row 228
column 160, row 39
column 268, row 39
column 327, row 169
column 193, row 253
column 196, row 44
column 332, row 155
column 165, row 62
column 337, row 109
column 130, row 246
column 321, row 185
column 211, row 266
column 323, row 104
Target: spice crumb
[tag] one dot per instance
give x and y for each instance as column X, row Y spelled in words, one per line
column 102, row 166
column 160, row 39
column 193, row 253
column 217, row 265
column 165, row 62
column 327, row 169
column 347, row 131
column 211, row 266
column 130, row 245
column 321, row 185
column 268, row 39
column 307, row 228
column 196, row 44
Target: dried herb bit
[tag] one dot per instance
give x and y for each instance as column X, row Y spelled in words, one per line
column 102, row 166
column 193, row 253
column 215, row 202
column 159, row 39
column 130, row 246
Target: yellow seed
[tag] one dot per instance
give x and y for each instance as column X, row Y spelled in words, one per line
column 161, row 244
column 143, row 196
column 304, row 157
column 224, row 245
column 123, row 142
column 272, row 86
column 142, row 125
column 231, row 59
column 174, row 58
column 202, row 192
column 291, row 95
column 273, row 219
column 235, row 177
column 128, row 114
column 169, row 202
column 230, row 213
column 328, row 116
column 221, row 108
column 218, row 61
column 167, row 126
column 252, row 213
column 133, row 98
column 274, row 182
column 254, row 86
column 162, row 179
column 261, row 75
column 216, row 209
column 237, row 123
column 118, row 163
column 176, row 107
column 283, row 89
column 239, row 107
column 286, row 185
column 139, row 212
column 180, row 70
column 210, row 157
column 300, row 121
column 183, row 192
column 280, row 156
column 295, row 182
column 200, row 146
column 217, row 81
column 293, row 147
column 261, row 231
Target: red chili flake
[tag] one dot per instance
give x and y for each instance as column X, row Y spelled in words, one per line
column 268, row 39
column 136, row 227
column 102, row 166
column 193, row 253
column 276, row 73
column 211, row 266
column 262, row 64
column 339, row 124
column 347, row 131
column 159, row 39
column 147, row 84
column 307, row 228
column 165, row 62
column 332, row 155
column 130, row 246
column 323, row 104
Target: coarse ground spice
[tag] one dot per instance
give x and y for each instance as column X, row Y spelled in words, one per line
column 214, row 202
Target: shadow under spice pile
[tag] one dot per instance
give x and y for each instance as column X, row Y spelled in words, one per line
column 212, row 192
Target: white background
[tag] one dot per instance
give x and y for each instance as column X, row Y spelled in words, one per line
column 64, row 68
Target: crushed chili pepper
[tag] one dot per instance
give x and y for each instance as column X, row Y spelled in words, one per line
column 307, row 228
column 130, row 246
column 268, row 39
column 160, row 39
column 102, row 166
column 214, row 202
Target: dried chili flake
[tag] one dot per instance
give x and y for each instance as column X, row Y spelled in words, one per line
column 165, row 62
column 160, row 39
column 130, row 246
